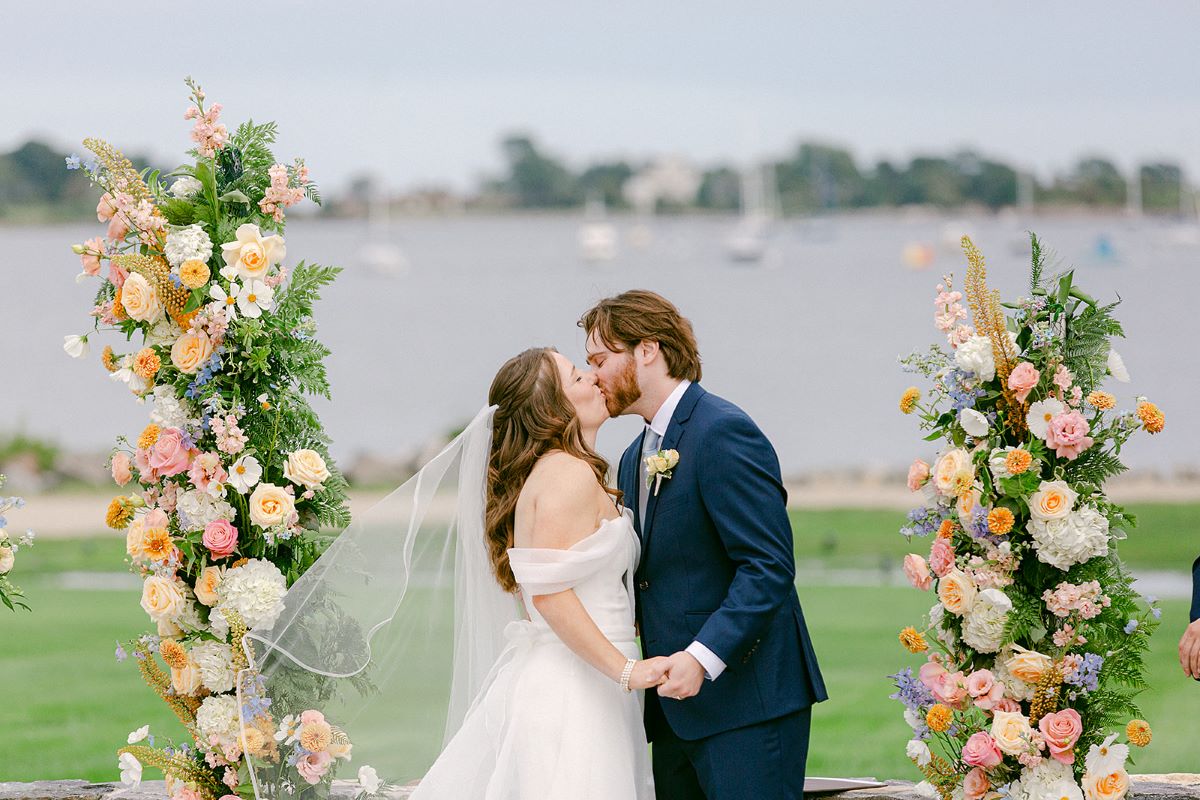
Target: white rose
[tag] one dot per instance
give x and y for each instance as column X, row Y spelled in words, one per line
column 974, row 423
column 162, row 599
column 306, row 468
column 140, row 299
column 1011, row 731
column 951, row 470
column 251, row 254
column 7, row 559
column 270, row 505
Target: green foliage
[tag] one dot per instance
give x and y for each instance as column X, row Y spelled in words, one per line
column 1086, row 344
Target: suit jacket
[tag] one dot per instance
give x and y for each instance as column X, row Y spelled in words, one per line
column 718, row 567
column 1196, row 590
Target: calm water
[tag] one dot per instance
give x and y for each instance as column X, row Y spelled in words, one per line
column 806, row 341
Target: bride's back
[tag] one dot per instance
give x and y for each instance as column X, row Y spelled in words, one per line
column 560, row 504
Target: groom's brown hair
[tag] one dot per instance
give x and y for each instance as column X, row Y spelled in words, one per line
column 639, row 315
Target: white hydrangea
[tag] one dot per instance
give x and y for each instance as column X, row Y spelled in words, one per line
column 975, row 356
column 1014, row 687
column 255, row 590
column 169, row 411
column 218, row 716
column 201, row 508
column 1049, row 780
column 185, row 243
column 983, row 626
column 163, row 333
column 215, row 663
column 1082, row 535
column 185, row 187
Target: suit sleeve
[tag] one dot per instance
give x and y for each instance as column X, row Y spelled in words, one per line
column 1196, row 590
column 741, row 489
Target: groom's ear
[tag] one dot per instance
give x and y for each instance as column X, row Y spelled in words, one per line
column 647, row 350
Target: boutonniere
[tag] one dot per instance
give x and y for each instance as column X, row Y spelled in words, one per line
column 659, row 466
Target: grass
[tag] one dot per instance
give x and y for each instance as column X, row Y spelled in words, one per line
column 68, row 703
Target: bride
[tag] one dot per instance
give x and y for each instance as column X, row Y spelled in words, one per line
column 543, row 698
column 561, row 719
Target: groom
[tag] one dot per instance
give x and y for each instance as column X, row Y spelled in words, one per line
column 715, row 585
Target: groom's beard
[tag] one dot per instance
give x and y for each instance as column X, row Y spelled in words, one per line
column 625, row 390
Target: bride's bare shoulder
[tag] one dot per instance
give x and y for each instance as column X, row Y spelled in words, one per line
column 559, row 501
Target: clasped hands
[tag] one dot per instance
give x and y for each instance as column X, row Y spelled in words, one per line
column 677, row 676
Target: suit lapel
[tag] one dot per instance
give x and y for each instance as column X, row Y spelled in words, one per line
column 629, row 481
column 675, row 431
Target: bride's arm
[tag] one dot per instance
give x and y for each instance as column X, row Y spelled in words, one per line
column 564, row 512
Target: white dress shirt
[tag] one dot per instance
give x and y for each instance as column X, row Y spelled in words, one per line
column 713, row 665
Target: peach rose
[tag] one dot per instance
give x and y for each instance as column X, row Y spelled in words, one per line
column 206, row 585
column 191, row 351
column 1023, row 379
column 161, row 598
column 918, row 572
column 186, row 679
column 306, row 468
column 120, row 468
column 951, row 471
column 941, row 558
column 967, row 503
column 251, row 253
column 975, row 785
column 270, row 505
column 135, row 536
column 140, row 299
column 1052, row 500
column 957, row 592
column 1011, row 731
column 1028, row 665
column 170, row 455
column 1061, row 731
column 1112, row 785
column 918, row 474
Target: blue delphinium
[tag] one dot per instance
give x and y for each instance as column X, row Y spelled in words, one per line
column 1087, row 677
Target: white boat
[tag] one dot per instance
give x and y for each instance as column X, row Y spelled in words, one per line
column 379, row 253
column 597, row 236
column 747, row 243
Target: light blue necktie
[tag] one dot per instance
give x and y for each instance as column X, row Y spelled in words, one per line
column 650, row 442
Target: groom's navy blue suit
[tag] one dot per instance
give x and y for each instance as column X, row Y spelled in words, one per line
column 718, row 567
column 1196, row 590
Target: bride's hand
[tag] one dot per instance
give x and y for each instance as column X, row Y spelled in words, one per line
column 649, row 672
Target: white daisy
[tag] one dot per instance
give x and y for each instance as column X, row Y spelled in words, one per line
column 226, row 301
column 245, row 473
column 1040, row 414
column 255, row 298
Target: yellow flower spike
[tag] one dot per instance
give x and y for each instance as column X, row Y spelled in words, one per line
column 1138, row 732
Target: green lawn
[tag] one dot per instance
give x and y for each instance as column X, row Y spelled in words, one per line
column 68, row 703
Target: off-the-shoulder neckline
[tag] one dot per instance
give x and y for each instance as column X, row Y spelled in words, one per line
column 625, row 514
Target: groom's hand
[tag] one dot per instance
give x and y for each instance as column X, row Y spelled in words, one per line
column 685, row 676
column 1189, row 651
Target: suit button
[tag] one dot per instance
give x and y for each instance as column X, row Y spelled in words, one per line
column 644, row 585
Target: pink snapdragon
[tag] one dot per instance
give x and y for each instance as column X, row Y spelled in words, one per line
column 230, row 438
column 208, row 134
column 1067, row 434
column 280, row 194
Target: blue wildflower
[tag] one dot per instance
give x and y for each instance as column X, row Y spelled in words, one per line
column 1157, row 612
column 1087, row 676
column 121, row 654
column 1131, row 626
column 72, row 161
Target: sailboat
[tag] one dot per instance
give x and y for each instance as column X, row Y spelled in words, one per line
column 379, row 253
column 760, row 206
column 597, row 236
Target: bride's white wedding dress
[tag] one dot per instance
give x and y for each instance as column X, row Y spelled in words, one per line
column 547, row 725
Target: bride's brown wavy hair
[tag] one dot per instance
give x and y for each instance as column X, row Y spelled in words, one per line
column 534, row 417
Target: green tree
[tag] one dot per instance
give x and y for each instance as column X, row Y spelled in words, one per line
column 536, row 180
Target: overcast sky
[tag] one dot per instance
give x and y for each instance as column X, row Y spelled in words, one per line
column 421, row 93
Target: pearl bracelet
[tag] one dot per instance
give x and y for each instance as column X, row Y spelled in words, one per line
column 627, row 673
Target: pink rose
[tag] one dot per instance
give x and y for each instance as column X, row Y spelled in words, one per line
column 117, row 229
column 931, row 673
column 918, row 474
column 985, row 689
column 1061, row 730
column 169, row 455
column 918, row 572
column 120, row 469
column 975, row 785
column 314, row 766
column 941, row 558
column 981, row 750
column 106, row 208
column 1006, row 704
column 952, row 690
column 1023, row 379
column 155, row 518
column 220, row 538
column 1067, row 433
column 117, row 274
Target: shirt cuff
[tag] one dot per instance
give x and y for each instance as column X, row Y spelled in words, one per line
column 713, row 666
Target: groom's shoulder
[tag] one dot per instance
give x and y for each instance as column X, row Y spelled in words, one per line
column 717, row 414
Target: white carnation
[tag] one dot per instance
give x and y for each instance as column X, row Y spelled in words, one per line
column 186, row 243
column 169, row 411
column 975, row 355
column 185, row 187
column 914, row 719
column 918, row 751
column 215, row 662
column 255, row 590
column 201, row 508
column 218, row 716
column 983, row 626
column 1081, row 536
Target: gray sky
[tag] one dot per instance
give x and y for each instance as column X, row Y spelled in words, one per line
column 421, row 92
